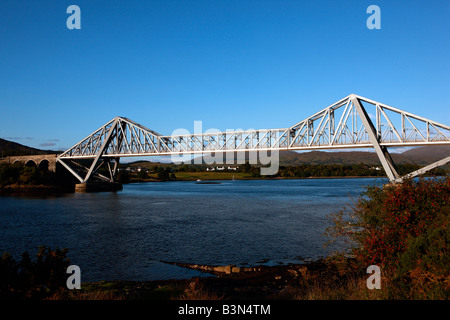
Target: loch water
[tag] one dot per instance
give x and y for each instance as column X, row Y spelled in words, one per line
column 130, row 234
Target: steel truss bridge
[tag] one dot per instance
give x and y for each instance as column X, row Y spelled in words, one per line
column 352, row 122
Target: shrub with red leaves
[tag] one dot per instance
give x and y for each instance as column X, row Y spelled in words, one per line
column 402, row 228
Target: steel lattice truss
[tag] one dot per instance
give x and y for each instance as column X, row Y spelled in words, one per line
column 353, row 122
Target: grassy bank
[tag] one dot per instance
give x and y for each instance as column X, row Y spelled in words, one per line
column 208, row 176
column 193, row 176
column 319, row 280
column 299, row 282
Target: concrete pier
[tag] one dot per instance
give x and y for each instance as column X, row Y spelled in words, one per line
column 97, row 187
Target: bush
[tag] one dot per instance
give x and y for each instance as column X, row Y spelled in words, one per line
column 29, row 279
column 9, row 173
column 404, row 230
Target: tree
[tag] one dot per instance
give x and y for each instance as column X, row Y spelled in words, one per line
column 163, row 174
column 246, row 167
column 123, row 177
column 142, row 174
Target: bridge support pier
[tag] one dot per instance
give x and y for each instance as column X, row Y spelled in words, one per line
column 97, row 187
column 383, row 154
column 423, row 170
column 92, row 170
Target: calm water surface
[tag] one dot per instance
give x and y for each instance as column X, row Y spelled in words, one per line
column 126, row 235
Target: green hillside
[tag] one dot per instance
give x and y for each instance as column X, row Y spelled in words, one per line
column 9, row 148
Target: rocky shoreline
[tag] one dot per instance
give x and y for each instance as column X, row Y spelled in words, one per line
column 322, row 279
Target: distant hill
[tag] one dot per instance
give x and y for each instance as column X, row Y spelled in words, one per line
column 426, row 155
column 9, row 148
column 146, row 164
column 419, row 155
column 292, row 158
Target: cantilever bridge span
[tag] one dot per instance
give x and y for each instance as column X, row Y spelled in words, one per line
column 352, row 122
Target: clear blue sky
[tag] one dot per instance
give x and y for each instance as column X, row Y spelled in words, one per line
column 231, row 64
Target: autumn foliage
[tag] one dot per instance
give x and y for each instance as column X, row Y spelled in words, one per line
column 403, row 229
